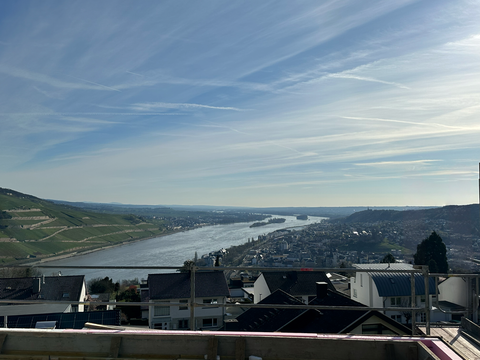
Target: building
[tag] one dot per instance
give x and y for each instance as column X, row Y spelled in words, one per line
column 172, row 293
column 326, row 321
column 393, row 289
column 299, row 284
column 51, row 288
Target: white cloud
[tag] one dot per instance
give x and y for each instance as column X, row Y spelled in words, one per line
column 180, row 106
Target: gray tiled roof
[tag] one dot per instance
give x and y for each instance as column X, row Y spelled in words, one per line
column 65, row 288
column 177, row 285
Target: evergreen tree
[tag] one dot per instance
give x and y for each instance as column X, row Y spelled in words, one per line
column 389, row 258
column 432, row 252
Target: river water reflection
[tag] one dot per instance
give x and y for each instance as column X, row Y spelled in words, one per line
column 170, row 250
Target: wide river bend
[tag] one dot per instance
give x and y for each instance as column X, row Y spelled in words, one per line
column 170, row 250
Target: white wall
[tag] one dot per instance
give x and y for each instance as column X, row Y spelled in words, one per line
column 83, row 294
column 200, row 313
column 454, row 290
column 361, row 289
column 260, row 288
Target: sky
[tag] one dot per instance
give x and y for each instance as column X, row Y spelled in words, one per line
column 241, row 103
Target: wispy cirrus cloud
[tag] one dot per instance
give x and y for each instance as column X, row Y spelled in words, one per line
column 347, row 75
column 179, row 106
column 46, row 79
column 396, row 163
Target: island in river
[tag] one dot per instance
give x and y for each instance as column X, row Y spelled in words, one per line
column 270, row 221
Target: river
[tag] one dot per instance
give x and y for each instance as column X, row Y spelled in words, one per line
column 170, row 250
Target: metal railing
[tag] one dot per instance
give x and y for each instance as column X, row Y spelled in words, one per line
column 192, row 304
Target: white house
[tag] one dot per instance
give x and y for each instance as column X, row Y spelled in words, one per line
column 392, row 289
column 172, row 292
column 300, row 284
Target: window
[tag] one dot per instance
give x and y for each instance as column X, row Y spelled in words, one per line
column 181, row 307
column 161, row 310
column 183, row 324
column 361, row 280
column 209, row 301
column 395, row 301
column 422, row 298
column 355, row 293
column 66, row 295
column 161, row 326
column 423, row 317
column 209, row 322
column 397, row 318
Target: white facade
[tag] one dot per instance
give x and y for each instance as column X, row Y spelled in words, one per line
column 83, row 296
column 173, row 316
column 453, row 290
column 364, row 290
column 260, row 289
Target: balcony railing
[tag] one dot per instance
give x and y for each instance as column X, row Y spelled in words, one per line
column 192, row 304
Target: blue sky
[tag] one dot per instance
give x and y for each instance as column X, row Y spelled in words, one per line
column 271, row 103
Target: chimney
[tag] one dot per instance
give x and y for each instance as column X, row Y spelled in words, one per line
column 322, row 288
column 36, row 285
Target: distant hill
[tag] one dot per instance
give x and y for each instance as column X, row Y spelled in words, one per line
column 450, row 213
column 35, row 228
column 458, row 218
column 175, row 210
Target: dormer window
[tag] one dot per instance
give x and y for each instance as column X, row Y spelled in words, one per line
column 66, row 295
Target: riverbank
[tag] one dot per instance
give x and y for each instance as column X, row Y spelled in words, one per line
column 36, row 261
column 167, row 250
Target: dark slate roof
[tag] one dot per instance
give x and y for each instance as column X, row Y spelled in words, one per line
column 327, row 321
column 54, row 288
column 307, row 321
column 401, row 329
column 296, row 283
column 337, row 321
column 177, row 285
column 267, row 319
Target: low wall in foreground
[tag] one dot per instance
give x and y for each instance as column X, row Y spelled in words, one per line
column 38, row 344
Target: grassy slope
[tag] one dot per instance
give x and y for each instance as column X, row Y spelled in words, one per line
column 66, row 229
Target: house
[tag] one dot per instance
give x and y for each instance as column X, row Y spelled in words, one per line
column 51, row 288
column 172, row 290
column 315, row 321
column 393, row 289
column 457, row 295
column 299, row 284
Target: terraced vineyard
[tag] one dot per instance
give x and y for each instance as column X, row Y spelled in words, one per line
column 32, row 228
